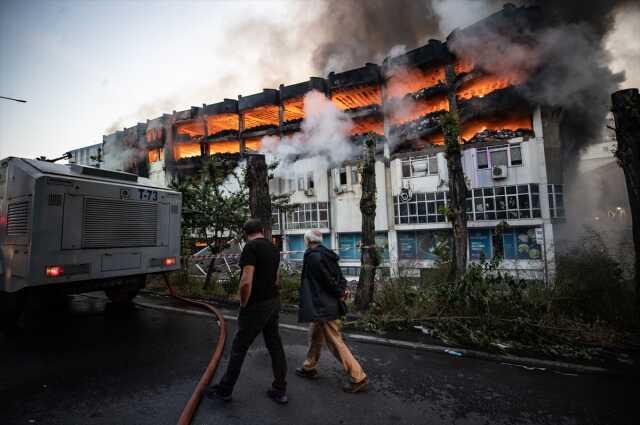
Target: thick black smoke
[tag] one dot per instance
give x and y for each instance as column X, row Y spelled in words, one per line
column 565, row 57
column 352, row 32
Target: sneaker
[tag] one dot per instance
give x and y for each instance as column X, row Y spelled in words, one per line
column 277, row 396
column 214, row 392
column 307, row 373
column 356, row 387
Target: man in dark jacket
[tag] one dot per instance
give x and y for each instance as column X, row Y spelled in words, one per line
column 259, row 313
column 322, row 291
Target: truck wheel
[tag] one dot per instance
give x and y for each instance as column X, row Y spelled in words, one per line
column 126, row 291
column 11, row 309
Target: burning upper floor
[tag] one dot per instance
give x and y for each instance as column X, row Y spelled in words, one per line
column 403, row 100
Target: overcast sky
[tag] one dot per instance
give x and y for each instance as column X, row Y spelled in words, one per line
column 89, row 67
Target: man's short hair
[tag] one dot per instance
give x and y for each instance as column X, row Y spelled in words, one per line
column 313, row 236
column 253, row 226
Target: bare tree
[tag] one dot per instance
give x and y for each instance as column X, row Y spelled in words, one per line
column 626, row 111
column 456, row 212
column 370, row 258
column 259, row 199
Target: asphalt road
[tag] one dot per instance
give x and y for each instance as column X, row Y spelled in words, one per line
column 91, row 364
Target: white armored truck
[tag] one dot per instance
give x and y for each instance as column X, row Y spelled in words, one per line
column 72, row 229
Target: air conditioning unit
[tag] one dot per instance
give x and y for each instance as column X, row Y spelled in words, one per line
column 339, row 189
column 309, row 192
column 405, row 184
column 499, row 172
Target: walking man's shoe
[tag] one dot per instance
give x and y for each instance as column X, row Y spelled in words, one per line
column 356, row 387
column 214, row 392
column 278, row 396
column 307, row 373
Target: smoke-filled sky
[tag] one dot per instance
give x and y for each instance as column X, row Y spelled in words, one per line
column 89, row 67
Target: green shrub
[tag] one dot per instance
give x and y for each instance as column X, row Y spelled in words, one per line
column 290, row 287
column 590, row 286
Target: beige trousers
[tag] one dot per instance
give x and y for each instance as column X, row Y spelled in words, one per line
column 329, row 332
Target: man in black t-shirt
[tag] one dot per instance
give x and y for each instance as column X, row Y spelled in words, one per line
column 259, row 313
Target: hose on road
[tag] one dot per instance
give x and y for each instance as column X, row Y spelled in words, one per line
column 191, row 406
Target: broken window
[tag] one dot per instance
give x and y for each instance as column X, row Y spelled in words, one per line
column 343, row 177
column 355, row 176
column 310, row 182
column 420, row 166
column 503, row 156
column 516, row 154
column 483, row 160
column 499, row 157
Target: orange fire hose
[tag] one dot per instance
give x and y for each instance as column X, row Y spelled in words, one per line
column 191, row 406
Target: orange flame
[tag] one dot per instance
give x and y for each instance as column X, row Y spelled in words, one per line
column 253, row 144
column 520, row 120
column 232, row 146
column 512, row 122
column 222, row 122
column 367, row 124
column 156, row 155
column 261, row 115
column 463, row 65
column 186, row 150
column 356, row 97
column 293, row 109
column 415, row 110
column 404, row 81
column 194, row 128
column 482, row 86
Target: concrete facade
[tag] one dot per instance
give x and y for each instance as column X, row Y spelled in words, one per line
column 514, row 171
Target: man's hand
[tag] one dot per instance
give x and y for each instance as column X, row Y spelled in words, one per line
column 245, row 284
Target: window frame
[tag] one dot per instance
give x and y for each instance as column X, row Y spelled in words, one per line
column 407, row 163
column 490, row 149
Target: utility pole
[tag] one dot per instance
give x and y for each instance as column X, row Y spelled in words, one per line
column 370, row 257
column 258, row 184
column 626, row 112
column 457, row 186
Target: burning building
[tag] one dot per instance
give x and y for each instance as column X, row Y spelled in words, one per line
column 510, row 157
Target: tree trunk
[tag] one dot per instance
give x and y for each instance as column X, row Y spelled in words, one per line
column 457, row 186
column 259, row 199
column 626, row 111
column 370, row 258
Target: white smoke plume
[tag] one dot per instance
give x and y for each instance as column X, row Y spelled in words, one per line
column 123, row 151
column 322, row 143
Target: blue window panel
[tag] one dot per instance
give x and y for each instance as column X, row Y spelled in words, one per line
column 526, row 247
column 480, row 244
column 349, row 246
column 296, row 243
column 509, row 244
column 383, row 242
column 407, row 245
column 326, row 240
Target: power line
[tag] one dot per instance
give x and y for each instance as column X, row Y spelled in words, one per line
column 15, row 100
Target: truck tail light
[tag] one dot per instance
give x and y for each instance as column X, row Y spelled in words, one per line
column 170, row 261
column 54, row 271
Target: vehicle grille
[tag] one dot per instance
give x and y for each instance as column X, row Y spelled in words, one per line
column 18, row 218
column 110, row 223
